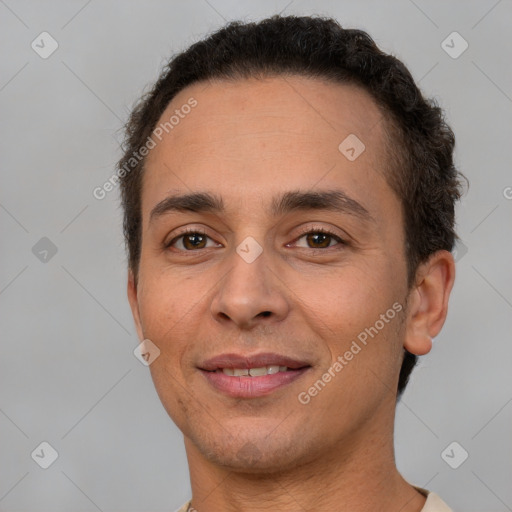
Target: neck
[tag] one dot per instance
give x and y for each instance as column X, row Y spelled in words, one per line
column 359, row 475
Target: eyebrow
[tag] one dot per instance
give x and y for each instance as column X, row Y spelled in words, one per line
column 205, row 202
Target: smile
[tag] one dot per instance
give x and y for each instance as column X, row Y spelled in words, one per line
column 252, row 372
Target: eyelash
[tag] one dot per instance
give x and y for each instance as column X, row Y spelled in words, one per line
column 304, row 232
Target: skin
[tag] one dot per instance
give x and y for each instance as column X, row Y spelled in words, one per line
column 248, row 141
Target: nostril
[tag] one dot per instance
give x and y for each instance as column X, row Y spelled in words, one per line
column 265, row 313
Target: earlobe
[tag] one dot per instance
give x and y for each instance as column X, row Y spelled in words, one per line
column 134, row 304
column 428, row 302
column 419, row 344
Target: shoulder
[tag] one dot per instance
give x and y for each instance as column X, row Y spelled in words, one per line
column 184, row 508
column 434, row 503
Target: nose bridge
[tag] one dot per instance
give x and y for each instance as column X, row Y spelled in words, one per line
column 250, row 290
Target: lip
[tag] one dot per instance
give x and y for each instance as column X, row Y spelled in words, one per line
column 251, row 361
column 251, row 387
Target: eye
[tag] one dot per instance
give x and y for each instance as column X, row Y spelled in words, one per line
column 191, row 240
column 318, row 239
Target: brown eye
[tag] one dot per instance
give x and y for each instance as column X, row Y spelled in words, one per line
column 194, row 241
column 190, row 241
column 318, row 240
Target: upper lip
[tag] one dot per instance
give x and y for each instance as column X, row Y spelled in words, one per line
column 241, row 361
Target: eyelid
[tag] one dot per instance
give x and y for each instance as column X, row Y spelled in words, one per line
column 321, row 229
column 303, row 232
column 186, row 231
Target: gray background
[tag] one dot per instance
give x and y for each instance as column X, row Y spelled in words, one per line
column 67, row 372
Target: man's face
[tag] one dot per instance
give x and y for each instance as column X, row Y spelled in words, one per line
column 257, row 146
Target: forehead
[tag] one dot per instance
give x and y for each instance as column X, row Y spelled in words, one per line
column 267, row 134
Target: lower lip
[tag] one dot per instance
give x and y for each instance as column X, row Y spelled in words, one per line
column 251, row 387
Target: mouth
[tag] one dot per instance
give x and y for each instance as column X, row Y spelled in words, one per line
column 253, row 372
column 241, row 376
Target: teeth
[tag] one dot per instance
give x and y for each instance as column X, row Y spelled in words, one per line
column 258, row 372
column 253, row 372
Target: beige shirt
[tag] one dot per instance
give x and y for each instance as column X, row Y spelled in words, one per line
column 433, row 504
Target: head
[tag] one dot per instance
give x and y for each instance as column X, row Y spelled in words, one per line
column 253, row 125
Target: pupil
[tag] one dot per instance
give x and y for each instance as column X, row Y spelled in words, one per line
column 194, row 240
column 321, row 239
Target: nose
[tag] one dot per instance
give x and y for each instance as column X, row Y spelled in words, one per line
column 251, row 294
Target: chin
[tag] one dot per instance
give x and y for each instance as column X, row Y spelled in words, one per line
column 251, row 460
column 252, row 452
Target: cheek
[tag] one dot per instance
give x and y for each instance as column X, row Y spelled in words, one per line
column 349, row 298
column 358, row 313
column 174, row 311
column 166, row 310
column 164, row 306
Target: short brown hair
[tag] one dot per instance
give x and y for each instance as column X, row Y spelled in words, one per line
column 423, row 174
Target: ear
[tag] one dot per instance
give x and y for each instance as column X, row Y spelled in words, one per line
column 134, row 304
column 428, row 302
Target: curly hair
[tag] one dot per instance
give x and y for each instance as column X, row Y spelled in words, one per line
column 420, row 169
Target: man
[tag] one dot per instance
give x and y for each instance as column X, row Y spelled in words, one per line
column 289, row 208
